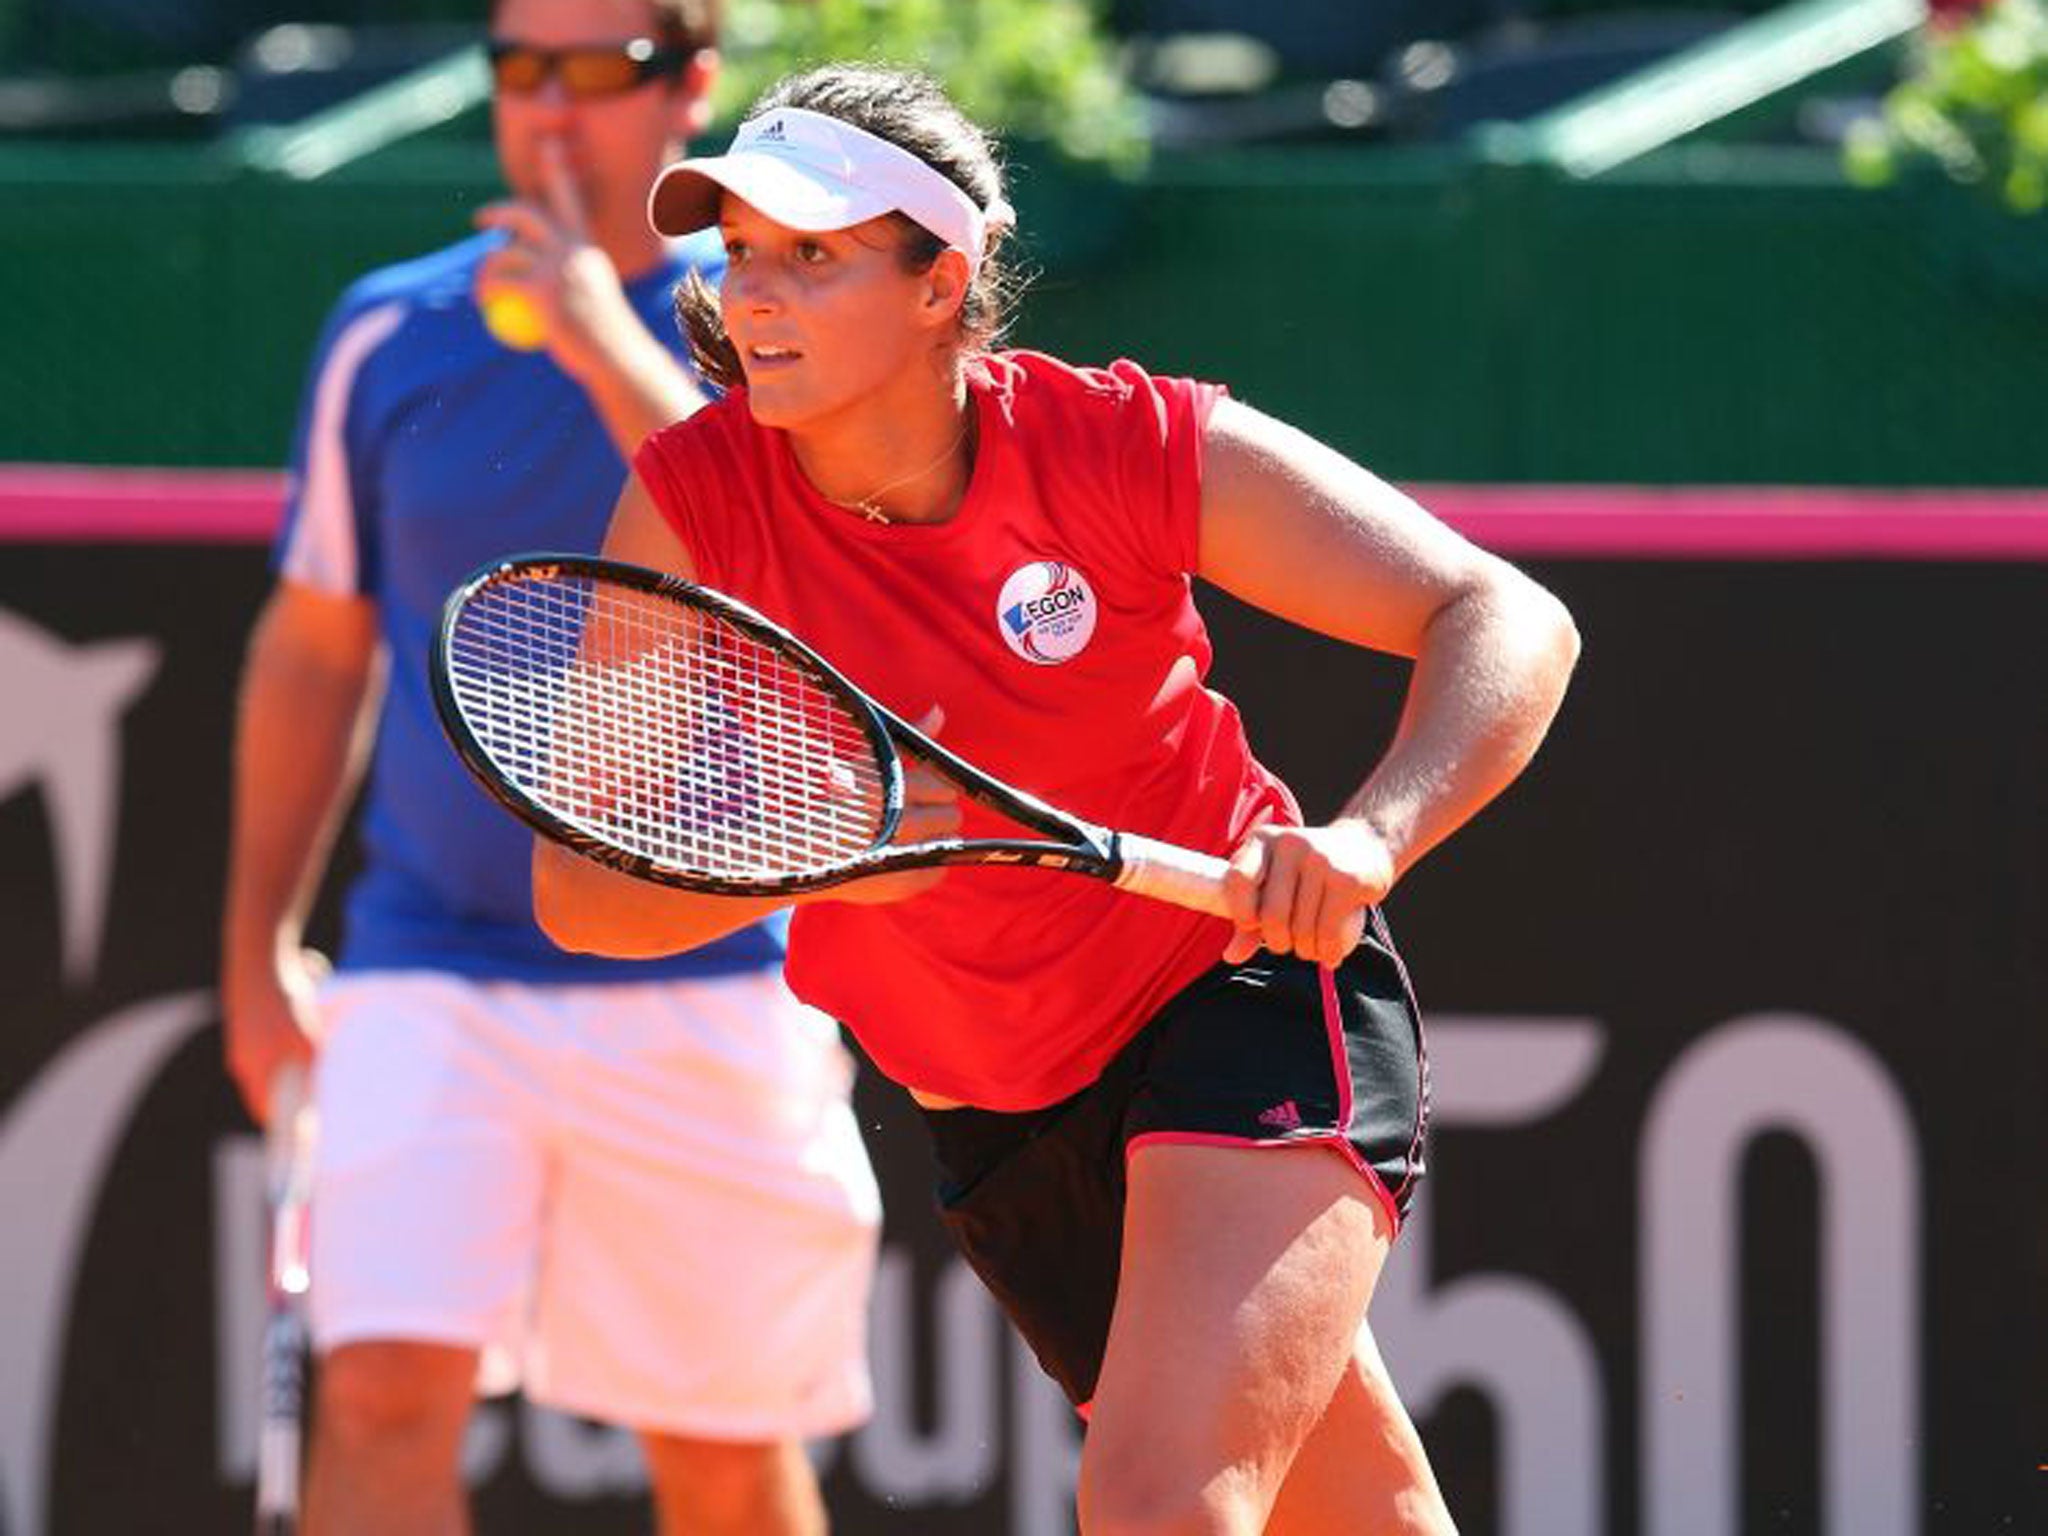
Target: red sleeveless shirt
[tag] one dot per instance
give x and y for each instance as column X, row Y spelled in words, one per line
column 1052, row 618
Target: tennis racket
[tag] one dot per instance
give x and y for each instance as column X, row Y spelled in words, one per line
column 671, row 732
column 288, row 1149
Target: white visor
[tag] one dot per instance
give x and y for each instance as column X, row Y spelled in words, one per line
column 813, row 172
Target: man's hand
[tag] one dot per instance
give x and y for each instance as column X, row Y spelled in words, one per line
column 550, row 275
column 271, row 1021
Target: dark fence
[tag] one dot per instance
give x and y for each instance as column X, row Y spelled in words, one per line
column 1710, row 314
column 1734, row 1215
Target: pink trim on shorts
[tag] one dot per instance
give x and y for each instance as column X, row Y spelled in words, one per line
column 1340, row 1069
column 1335, row 1140
column 1421, row 1126
column 1333, row 1026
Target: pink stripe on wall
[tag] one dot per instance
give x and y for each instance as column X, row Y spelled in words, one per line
column 1746, row 522
column 67, row 504
column 57, row 503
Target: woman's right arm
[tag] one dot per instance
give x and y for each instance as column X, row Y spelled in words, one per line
column 582, row 905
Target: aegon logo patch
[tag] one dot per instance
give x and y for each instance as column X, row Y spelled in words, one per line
column 1046, row 612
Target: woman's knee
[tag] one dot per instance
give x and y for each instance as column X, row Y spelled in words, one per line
column 1141, row 1495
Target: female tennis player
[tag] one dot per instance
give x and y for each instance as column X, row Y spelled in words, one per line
column 1134, row 1107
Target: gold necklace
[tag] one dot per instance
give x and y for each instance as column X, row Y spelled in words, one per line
column 870, row 505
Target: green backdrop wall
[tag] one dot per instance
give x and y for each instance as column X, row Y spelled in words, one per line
column 1709, row 315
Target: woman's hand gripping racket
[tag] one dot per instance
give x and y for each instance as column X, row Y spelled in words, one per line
column 288, row 1167
column 668, row 731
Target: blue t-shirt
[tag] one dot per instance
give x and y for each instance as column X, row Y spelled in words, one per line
column 425, row 448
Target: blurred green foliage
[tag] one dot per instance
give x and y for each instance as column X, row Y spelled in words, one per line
column 1035, row 70
column 1974, row 106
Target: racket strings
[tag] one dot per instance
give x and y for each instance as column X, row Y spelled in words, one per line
column 716, row 779
column 664, row 729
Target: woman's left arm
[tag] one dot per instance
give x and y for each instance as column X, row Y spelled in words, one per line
column 1292, row 526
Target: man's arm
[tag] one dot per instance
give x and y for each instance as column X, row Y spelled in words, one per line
column 635, row 383
column 309, row 683
column 592, row 330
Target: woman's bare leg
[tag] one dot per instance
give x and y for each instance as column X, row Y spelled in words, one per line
column 1246, row 1274
column 1362, row 1471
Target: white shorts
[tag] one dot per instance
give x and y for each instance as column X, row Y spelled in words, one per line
column 645, row 1203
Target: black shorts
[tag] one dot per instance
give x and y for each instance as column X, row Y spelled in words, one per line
column 1272, row 1052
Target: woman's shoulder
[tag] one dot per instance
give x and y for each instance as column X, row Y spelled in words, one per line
column 708, row 453
column 1112, row 404
column 1038, row 391
column 724, row 422
column 1023, row 373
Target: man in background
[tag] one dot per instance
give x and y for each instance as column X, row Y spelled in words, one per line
column 532, row 1165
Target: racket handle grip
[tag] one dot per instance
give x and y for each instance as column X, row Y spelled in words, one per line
column 284, row 1138
column 1167, row 873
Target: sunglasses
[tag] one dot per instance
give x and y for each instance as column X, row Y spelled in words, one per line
column 604, row 69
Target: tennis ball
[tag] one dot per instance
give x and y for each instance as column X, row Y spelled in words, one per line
column 513, row 319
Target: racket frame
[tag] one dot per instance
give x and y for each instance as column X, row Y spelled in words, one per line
column 1125, row 859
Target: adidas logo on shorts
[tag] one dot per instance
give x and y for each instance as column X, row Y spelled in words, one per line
column 1282, row 1117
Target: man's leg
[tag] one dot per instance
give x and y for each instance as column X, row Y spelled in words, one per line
column 709, row 1243
column 427, row 1189
column 730, row 1488
column 387, row 1441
